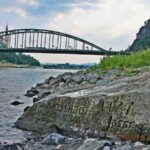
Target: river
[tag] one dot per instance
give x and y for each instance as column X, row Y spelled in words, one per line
column 14, row 82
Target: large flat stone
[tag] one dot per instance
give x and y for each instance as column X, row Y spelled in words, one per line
column 122, row 109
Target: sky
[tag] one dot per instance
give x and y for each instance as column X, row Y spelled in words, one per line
column 106, row 23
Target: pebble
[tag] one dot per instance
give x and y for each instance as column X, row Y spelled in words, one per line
column 57, row 141
column 59, row 147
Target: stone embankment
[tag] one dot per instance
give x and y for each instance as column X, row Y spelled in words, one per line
column 84, row 106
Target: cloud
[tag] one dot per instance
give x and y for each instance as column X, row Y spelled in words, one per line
column 29, row 2
column 81, row 4
column 15, row 10
column 103, row 22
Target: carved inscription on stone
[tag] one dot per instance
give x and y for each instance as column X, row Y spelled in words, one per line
column 105, row 114
column 62, row 110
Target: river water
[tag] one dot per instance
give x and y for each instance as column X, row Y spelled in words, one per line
column 14, row 82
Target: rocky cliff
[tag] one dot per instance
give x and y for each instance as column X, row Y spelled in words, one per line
column 108, row 105
column 142, row 40
column 144, row 30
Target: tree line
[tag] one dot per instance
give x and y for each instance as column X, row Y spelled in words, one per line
column 64, row 66
column 18, row 58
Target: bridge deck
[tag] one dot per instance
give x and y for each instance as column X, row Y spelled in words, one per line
column 48, row 41
column 58, row 51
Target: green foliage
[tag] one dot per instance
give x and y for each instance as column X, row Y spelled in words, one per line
column 18, row 59
column 125, row 63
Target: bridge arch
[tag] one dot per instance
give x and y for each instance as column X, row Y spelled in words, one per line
column 40, row 38
column 48, row 41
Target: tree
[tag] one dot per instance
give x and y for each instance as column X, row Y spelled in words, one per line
column 19, row 58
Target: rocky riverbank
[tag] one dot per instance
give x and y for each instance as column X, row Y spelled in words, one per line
column 78, row 111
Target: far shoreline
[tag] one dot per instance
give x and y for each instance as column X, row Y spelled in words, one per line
column 10, row 65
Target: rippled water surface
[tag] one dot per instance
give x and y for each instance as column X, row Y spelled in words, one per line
column 13, row 85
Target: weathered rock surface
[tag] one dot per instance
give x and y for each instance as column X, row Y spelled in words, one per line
column 120, row 106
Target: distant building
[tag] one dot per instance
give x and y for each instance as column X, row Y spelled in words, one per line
column 4, row 41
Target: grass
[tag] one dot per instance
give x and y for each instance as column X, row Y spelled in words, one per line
column 125, row 63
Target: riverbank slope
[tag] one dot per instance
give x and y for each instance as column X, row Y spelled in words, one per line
column 103, row 102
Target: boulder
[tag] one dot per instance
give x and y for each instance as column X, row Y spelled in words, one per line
column 13, row 146
column 45, row 86
column 122, row 108
column 39, row 84
column 68, row 81
column 61, row 84
column 107, row 148
column 72, row 85
column 26, row 108
column 91, row 144
column 84, row 82
column 53, row 81
column 92, row 79
column 125, row 147
column 43, row 94
column 35, row 99
column 102, row 82
column 78, row 78
column 54, row 138
column 59, row 78
column 112, row 73
column 66, row 76
column 147, row 147
column 32, row 92
column 16, row 103
column 74, row 141
column 46, row 81
column 138, row 144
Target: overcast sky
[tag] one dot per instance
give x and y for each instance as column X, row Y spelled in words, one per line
column 106, row 23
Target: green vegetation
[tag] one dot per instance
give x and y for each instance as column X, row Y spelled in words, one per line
column 140, row 44
column 125, row 63
column 18, row 58
column 64, row 66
